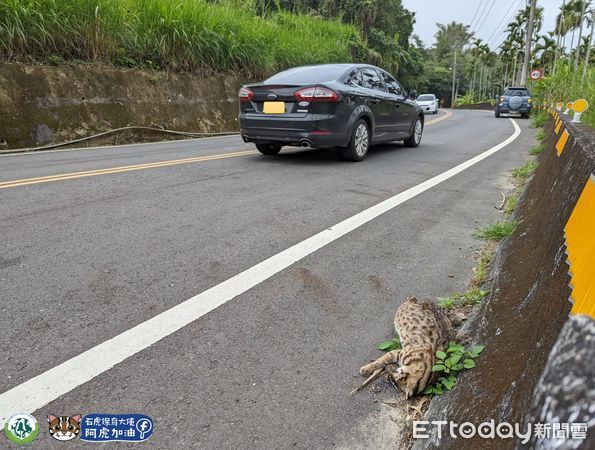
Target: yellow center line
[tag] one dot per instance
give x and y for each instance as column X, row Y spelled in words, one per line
column 91, row 173
column 120, row 169
column 439, row 119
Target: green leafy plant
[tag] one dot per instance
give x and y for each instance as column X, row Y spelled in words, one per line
column 540, row 135
column 55, row 60
column 496, row 231
column 446, row 302
column 391, row 344
column 450, row 363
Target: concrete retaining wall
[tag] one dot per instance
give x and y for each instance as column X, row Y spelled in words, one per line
column 46, row 104
column 528, row 365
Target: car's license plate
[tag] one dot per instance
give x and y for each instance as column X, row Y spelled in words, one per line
column 273, row 107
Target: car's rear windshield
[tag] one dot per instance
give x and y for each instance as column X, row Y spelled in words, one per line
column 309, row 75
column 426, row 98
column 517, row 92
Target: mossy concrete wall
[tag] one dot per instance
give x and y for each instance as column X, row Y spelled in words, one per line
column 47, row 104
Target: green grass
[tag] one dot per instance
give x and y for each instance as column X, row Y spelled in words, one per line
column 496, row 231
column 184, row 35
column 567, row 85
column 523, row 173
column 480, row 271
column 470, row 298
column 540, row 135
column 536, row 149
column 511, row 202
column 538, row 118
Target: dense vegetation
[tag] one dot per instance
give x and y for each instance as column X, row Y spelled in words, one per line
column 171, row 34
column 567, row 84
column 259, row 37
column 255, row 37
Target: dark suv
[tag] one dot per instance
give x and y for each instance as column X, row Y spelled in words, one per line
column 514, row 100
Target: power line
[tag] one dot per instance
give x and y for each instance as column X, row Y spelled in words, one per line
column 503, row 38
column 487, row 15
column 476, row 11
column 509, row 18
column 501, row 20
column 480, row 15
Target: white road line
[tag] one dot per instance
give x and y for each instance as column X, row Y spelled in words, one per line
column 42, row 389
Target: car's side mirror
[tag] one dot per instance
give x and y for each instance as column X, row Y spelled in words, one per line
column 412, row 94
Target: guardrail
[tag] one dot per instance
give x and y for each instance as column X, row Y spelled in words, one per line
column 538, row 366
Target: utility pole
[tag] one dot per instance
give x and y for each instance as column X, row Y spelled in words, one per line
column 580, row 34
column 588, row 55
column 528, row 42
column 454, row 74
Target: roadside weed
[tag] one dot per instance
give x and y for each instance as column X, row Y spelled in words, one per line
column 496, row 231
column 470, row 298
column 480, row 272
column 523, row 173
column 538, row 118
column 536, row 149
column 540, row 135
column 450, row 363
column 511, row 202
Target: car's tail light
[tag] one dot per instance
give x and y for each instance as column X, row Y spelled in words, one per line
column 245, row 94
column 501, row 99
column 316, row 94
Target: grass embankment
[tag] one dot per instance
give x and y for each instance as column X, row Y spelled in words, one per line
column 567, row 85
column 182, row 35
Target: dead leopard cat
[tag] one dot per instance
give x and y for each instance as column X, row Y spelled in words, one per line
column 423, row 328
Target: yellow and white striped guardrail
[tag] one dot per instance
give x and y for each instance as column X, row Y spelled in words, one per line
column 578, row 106
column 578, row 232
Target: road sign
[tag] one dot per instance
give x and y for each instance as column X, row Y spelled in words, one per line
column 535, row 74
column 580, row 105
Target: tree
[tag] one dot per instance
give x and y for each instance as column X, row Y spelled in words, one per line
column 450, row 37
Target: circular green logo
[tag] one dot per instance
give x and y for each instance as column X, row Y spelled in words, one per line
column 21, row 428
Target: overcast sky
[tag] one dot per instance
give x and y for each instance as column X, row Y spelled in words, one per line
column 488, row 27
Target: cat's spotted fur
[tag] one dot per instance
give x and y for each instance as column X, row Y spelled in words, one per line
column 424, row 329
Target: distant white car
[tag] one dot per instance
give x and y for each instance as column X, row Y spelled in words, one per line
column 428, row 103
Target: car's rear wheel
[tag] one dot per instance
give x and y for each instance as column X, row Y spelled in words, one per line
column 269, row 149
column 415, row 138
column 497, row 114
column 359, row 144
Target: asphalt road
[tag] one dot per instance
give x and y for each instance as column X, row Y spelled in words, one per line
column 87, row 256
